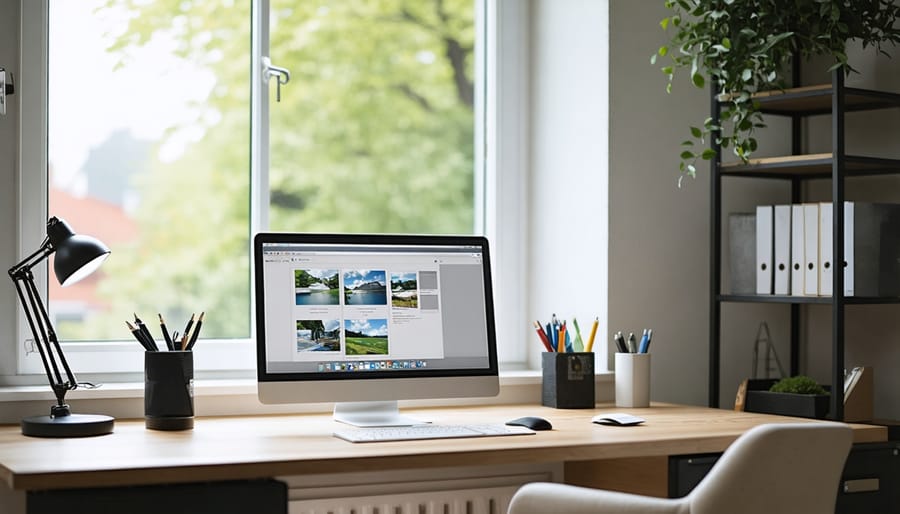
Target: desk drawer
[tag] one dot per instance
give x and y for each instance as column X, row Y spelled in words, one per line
column 686, row 471
column 871, row 480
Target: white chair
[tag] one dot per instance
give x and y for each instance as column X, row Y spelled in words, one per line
column 778, row 468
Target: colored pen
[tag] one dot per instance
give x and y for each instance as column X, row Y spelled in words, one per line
column 579, row 344
column 568, row 339
column 542, row 336
column 642, row 346
column 168, row 338
column 590, row 343
column 196, row 332
column 632, row 345
column 646, row 347
column 554, row 332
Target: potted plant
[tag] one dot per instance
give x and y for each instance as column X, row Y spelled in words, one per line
column 744, row 47
column 793, row 396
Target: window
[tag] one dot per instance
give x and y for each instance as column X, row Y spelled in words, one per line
column 148, row 147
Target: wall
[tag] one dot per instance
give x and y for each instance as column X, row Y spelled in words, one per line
column 9, row 59
column 659, row 250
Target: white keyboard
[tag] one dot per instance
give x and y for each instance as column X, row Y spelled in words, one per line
column 378, row 434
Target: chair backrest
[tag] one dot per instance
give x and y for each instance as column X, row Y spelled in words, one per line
column 777, row 468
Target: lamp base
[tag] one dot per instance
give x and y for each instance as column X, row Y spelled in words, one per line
column 73, row 425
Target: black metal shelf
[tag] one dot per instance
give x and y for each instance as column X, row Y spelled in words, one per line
column 820, row 300
column 837, row 100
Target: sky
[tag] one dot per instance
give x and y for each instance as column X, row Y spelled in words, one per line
column 88, row 100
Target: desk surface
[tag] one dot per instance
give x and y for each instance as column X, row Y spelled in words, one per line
column 226, row 448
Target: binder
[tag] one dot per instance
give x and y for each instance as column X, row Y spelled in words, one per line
column 849, row 245
column 742, row 252
column 764, row 239
column 797, row 254
column 782, row 241
column 811, row 249
column 826, row 249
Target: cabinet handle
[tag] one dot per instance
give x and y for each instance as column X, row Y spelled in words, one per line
column 862, row 485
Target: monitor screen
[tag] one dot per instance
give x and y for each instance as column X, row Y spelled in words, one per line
column 373, row 318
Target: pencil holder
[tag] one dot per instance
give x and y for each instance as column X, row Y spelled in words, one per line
column 169, row 390
column 632, row 379
column 568, row 380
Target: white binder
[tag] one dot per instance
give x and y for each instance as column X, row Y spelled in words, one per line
column 848, row 249
column 826, row 250
column 764, row 249
column 782, row 263
column 811, row 249
column 797, row 246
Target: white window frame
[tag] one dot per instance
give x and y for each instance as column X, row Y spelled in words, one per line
column 500, row 194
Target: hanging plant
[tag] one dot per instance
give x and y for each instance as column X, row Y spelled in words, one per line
column 743, row 47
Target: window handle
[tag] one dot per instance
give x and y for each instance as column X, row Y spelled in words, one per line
column 282, row 76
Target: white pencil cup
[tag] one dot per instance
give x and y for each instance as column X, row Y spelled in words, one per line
column 632, row 379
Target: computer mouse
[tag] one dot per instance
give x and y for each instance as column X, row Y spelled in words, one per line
column 532, row 422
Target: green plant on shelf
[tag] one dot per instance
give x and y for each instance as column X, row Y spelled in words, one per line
column 800, row 384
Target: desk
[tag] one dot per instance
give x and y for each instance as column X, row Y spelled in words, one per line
column 232, row 448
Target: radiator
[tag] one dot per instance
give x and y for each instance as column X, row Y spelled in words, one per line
column 492, row 500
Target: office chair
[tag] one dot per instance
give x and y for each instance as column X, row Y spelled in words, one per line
column 778, row 468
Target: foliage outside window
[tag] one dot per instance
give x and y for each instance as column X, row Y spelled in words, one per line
column 374, row 133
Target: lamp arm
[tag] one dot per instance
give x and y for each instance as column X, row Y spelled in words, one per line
column 39, row 322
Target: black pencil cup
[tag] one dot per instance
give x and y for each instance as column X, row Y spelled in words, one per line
column 169, row 390
column 568, row 380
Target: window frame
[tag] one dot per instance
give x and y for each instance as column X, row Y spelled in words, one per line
column 501, row 192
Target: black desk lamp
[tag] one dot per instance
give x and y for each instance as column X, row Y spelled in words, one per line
column 76, row 257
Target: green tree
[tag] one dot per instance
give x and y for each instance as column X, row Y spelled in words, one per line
column 374, row 133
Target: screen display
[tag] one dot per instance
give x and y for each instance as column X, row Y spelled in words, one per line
column 354, row 307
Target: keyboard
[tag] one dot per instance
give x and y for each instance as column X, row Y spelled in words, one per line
column 416, row 432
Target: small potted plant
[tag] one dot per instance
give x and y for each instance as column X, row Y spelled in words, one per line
column 799, row 396
column 744, row 47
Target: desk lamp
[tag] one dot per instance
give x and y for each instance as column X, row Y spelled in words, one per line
column 76, row 257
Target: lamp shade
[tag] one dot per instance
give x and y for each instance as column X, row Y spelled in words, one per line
column 77, row 256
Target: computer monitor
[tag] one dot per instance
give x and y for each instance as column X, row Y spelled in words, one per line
column 367, row 320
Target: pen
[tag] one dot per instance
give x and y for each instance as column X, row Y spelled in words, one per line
column 146, row 332
column 642, row 346
column 162, row 326
column 137, row 335
column 187, row 334
column 620, row 342
column 646, row 347
column 196, row 332
column 579, row 344
column 590, row 343
column 554, row 332
column 568, row 338
column 632, row 346
column 542, row 336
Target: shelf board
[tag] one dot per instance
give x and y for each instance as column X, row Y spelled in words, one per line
column 820, row 300
column 810, row 166
column 812, row 100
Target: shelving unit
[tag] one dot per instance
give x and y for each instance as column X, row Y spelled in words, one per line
column 797, row 103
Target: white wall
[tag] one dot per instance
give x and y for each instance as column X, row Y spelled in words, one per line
column 9, row 59
column 567, row 154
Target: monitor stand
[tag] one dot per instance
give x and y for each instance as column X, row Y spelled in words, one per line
column 373, row 414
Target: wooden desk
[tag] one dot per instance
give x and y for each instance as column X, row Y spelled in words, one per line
column 229, row 448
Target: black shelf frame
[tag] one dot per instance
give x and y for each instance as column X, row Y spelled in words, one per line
column 836, row 100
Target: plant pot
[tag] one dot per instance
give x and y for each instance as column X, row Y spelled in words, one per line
column 760, row 399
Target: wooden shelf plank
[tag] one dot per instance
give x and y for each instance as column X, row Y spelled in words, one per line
column 812, row 100
column 810, row 166
column 789, row 299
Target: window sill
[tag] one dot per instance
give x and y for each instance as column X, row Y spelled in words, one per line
column 229, row 397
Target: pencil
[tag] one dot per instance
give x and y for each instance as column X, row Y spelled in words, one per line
column 561, row 344
column 137, row 335
column 542, row 336
column 579, row 343
column 162, row 325
column 196, row 332
column 590, row 343
column 187, row 334
column 146, row 333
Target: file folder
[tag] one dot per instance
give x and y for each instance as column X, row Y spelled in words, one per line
column 782, row 240
column 811, row 249
column 826, row 250
column 742, row 252
column 764, row 254
column 797, row 254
